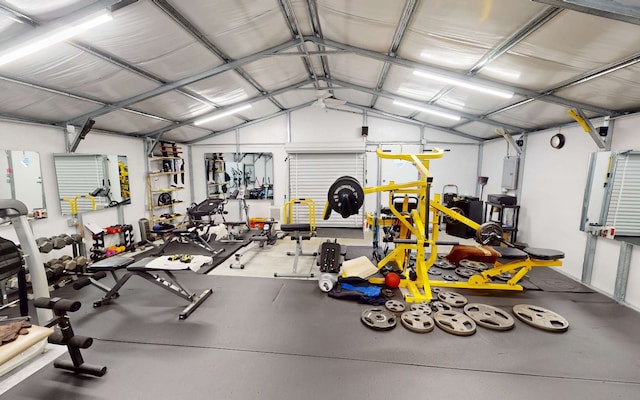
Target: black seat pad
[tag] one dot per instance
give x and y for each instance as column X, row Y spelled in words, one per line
column 543, row 254
column 295, row 227
column 511, row 253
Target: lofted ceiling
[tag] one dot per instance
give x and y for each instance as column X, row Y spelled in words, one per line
column 161, row 65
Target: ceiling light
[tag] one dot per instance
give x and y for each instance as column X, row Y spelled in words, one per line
column 427, row 110
column 472, row 86
column 222, row 114
column 50, row 38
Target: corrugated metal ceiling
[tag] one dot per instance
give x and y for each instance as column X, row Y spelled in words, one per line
column 161, row 64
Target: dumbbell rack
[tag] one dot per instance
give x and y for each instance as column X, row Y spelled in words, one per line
column 98, row 250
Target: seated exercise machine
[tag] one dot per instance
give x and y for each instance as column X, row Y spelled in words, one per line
column 346, row 196
column 148, row 268
column 267, row 236
column 298, row 232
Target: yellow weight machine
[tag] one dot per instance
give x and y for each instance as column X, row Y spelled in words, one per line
column 345, row 196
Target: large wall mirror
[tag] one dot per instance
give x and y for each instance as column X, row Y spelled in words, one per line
column 612, row 196
column 88, row 182
column 22, row 180
column 231, row 174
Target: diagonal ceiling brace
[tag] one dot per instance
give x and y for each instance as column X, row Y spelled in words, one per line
column 586, row 124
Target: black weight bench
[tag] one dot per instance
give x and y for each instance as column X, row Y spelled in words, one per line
column 148, row 268
column 297, row 232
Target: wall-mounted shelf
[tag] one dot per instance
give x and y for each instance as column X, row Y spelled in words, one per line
column 165, row 170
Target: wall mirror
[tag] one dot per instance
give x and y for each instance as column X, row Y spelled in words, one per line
column 88, row 182
column 230, row 174
column 611, row 205
column 22, row 180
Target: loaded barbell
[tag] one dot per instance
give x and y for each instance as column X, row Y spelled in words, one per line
column 345, row 197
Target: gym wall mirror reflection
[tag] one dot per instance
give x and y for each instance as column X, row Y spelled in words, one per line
column 23, row 180
column 89, row 182
column 231, row 174
column 611, row 200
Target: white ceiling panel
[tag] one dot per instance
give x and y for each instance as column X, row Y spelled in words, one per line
column 354, row 96
column 533, row 114
column 225, row 88
column 457, row 33
column 67, row 68
column 474, row 102
column 185, row 134
column 402, row 82
column 294, row 98
column 46, row 10
column 10, row 28
column 478, row 129
column 356, row 69
column 239, row 27
column 223, row 123
column 172, row 105
column 144, row 36
column 39, row 104
column 619, row 90
column 367, row 24
column 260, row 109
column 127, row 122
column 300, row 10
column 290, row 70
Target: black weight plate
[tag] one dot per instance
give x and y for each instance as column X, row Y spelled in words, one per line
column 540, row 318
column 475, row 265
column 505, row 276
column 489, row 232
column 345, row 196
column 464, row 272
column 433, row 271
column 449, row 277
column 378, row 319
column 417, row 321
column 444, row 264
column 489, row 317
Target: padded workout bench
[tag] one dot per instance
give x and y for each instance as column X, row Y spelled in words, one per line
column 298, row 232
column 149, row 268
column 517, row 262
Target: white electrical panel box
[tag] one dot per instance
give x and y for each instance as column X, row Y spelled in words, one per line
column 510, row 172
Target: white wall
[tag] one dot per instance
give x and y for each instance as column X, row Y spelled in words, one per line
column 552, row 198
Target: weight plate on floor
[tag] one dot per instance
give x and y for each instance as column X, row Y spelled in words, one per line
column 440, row 306
column 489, row 317
column 417, row 321
column 449, row 277
column 436, row 289
column 378, row 319
column 423, row 308
column 433, row 271
column 444, row 264
column 395, row 306
column 541, row 318
column 476, row 265
column 465, row 272
column 455, row 323
column 452, row 298
column 388, row 293
column 505, row 276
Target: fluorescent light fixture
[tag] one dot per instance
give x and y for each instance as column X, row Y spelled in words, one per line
column 472, row 86
column 53, row 37
column 427, row 110
column 222, row 114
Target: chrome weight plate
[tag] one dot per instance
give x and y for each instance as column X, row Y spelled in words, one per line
column 417, row 321
column 465, row 272
column 444, row 264
column 489, row 317
column 541, row 318
column 395, row 305
column 423, row 308
column 450, row 277
column 455, row 323
column 452, row 298
column 505, row 276
column 476, row 265
column 433, row 271
column 440, row 306
column 378, row 319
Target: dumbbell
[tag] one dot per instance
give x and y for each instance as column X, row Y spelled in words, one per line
column 76, row 238
column 67, row 239
column 44, row 244
column 58, row 242
column 68, row 263
column 81, row 261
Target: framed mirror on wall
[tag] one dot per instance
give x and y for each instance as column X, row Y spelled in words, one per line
column 22, row 180
column 89, row 182
column 230, row 174
column 612, row 196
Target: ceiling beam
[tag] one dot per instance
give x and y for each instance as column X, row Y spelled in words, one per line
column 192, row 30
column 314, row 19
column 462, row 77
column 606, row 9
column 407, row 13
column 185, row 81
